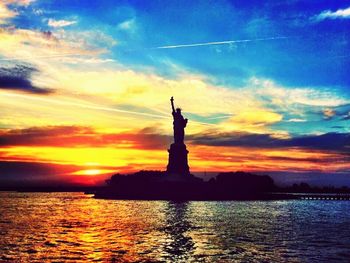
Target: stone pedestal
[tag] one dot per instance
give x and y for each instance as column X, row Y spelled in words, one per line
column 178, row 163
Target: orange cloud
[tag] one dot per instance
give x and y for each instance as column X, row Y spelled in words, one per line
column 205, row 158
column 80, row 136
column 328, row 113
column 94, row 154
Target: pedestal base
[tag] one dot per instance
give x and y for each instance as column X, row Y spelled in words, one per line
column 178, row 163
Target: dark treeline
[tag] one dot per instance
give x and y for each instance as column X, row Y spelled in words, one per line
column 225, row 186
column 306, row 188
column 148, row 184
column 159, row 185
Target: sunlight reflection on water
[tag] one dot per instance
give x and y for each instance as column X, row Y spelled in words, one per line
column 73, row 227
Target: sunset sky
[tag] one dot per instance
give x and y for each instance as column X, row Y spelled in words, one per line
column 85, row 88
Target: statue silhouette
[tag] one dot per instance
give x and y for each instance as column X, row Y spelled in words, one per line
column 178, row 162
column 179, row 124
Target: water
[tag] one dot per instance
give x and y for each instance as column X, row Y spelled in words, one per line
column 73, row 227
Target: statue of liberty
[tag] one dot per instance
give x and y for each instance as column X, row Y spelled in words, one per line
column 179, row 124
column 178, row 162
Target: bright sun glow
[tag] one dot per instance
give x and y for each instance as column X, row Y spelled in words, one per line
column 93, row 172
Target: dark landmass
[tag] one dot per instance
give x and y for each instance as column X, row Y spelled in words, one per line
column 158, row 185
column 306, row 188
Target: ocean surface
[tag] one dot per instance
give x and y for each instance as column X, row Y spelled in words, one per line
column 73, row 227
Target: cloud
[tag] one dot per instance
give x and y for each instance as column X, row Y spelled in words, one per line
column 151, row 92
column 29, row 170
column 84, row 146
column 146, row 149
column 254, row 108
column 327, row 14
column 88, row 106
column 127, row 25
column 329, row 141
column 86, row 39
column 126, row 87
column 19, row 2
column 256, row 118
column 78, row 136
column 346, row 117
column 328, row 113
column 6, row 13
column 60, row 23
column 35, row 47
column 19, row 78
column 21, row 174
column 224, row 158
column 296, row 120
column 286, row 97
column 339, row 142
column 113, row 91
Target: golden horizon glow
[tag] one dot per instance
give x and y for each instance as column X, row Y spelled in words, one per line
column 93, row 172
column 201, row 158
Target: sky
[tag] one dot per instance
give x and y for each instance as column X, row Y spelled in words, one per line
column 85, row 88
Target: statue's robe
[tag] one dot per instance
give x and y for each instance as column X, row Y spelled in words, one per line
column 179, row 125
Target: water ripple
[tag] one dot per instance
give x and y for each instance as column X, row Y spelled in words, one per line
column 72, row 227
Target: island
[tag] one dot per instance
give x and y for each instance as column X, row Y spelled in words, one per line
column 177, row 182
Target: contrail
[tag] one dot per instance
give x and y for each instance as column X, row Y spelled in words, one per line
column 94, row 107
column 218, row 43
column 151, row 48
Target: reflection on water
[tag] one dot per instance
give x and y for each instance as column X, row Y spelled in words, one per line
column 177, row 227
column 72, row 227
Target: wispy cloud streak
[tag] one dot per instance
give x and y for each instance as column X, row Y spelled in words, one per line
column 60, row 23
column 47, row 56
column 327, row 14
column 93, row 107
column 81, row 105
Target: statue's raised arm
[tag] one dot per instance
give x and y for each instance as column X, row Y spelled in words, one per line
column 172, row 104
